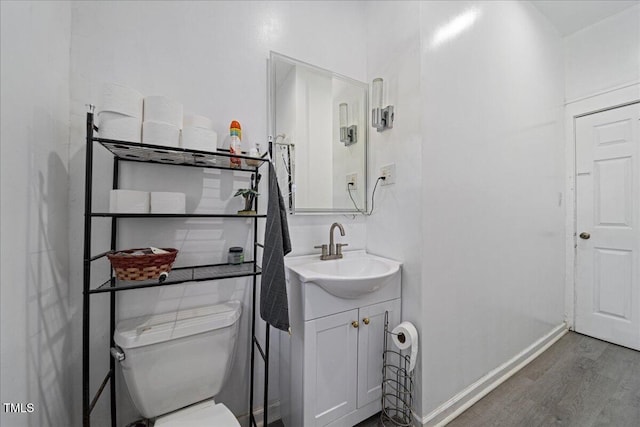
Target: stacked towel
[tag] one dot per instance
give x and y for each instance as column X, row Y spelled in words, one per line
column 162, row 121
column 120, row 115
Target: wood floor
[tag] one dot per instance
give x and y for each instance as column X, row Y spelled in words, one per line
column 579, row 381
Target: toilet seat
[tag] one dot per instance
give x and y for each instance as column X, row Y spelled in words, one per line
column 201, row 415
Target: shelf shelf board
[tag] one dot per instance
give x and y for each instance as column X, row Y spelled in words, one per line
column 192, row 215
column 185, row 274
column 147, row 153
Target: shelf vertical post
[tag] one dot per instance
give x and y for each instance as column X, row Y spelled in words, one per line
column 266, row 375
column 266, row 350
column 112, row 297
column 254, row 342
column 86, row 416
column 253, row 351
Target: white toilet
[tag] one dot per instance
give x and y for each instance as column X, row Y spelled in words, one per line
column 176, row 359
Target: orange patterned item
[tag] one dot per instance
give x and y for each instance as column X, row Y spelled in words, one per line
column 235, row 129
column 234, row 146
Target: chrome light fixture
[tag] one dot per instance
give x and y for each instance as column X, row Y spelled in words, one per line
column 348, row 134
column 381, row 118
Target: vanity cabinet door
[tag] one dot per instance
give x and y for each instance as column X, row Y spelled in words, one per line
column 330, row 368
column 370, row 348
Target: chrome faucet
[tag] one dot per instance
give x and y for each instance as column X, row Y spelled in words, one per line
column 334, row 250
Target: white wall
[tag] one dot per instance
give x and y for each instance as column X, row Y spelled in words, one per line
column 393, row 230
column 492, row 162
column 477, row 142
column 349, row 159
column 312, row 159
column 212, row 56
column 38, row 303
column 603, row 56
column 285, row 126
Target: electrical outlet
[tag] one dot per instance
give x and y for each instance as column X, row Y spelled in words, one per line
column 389, row 173
column 352, row 178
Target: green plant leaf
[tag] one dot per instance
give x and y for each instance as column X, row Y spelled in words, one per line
column 246, row 192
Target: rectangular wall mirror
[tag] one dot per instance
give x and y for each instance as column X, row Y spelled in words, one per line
column 318, row 123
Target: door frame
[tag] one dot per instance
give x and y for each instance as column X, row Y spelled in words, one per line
column 595, row 103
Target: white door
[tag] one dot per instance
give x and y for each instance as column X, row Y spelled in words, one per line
column 608, row 226
column 330, row 367
column 370, row 348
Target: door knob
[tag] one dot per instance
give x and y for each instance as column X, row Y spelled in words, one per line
column 355, row 324
column 584, row 235
column 366, row 320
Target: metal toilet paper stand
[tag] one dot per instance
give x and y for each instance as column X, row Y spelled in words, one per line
column 397, row 382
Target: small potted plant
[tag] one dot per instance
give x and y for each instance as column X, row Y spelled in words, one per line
column 249, row 195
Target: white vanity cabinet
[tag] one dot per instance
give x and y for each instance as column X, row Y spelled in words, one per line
column 330, row 368
column 343, row 364
column 331, row 364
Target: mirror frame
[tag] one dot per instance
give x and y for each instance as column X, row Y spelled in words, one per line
column 271, row 118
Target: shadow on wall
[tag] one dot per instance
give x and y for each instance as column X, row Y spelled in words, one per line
column 48, row 299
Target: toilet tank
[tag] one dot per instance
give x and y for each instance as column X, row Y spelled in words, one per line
column 175, row 359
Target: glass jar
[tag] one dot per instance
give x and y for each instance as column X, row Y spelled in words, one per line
column 236, row 255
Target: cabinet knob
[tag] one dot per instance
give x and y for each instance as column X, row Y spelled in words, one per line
column 366, row 320
column 355, row 324
column 585, row 235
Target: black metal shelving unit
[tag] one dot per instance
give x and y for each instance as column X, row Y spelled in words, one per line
column 124, row 151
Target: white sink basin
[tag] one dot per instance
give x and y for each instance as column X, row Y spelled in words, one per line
column 356, row 274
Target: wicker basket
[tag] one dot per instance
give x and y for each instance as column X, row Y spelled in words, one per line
column 141, row 267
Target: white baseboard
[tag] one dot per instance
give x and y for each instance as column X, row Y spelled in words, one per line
column 273, row 415
column 449, row 410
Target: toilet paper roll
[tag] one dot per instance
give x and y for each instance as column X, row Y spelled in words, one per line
column 162, row 109
column 158, row 133
column 196, row 138
column 121, row 129
column 128, row 201
column 169, row 203
column 405, row 336
column 121, row 99
column 196, row 121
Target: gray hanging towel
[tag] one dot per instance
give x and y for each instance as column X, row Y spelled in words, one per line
column 274, row 306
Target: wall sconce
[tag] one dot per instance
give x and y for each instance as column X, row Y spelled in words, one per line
column 348, row 134
column 381, row 118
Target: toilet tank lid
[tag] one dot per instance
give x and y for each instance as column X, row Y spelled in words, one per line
column 157, row 328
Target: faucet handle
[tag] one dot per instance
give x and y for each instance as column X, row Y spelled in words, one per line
column 324, row 249
column 339, row 247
